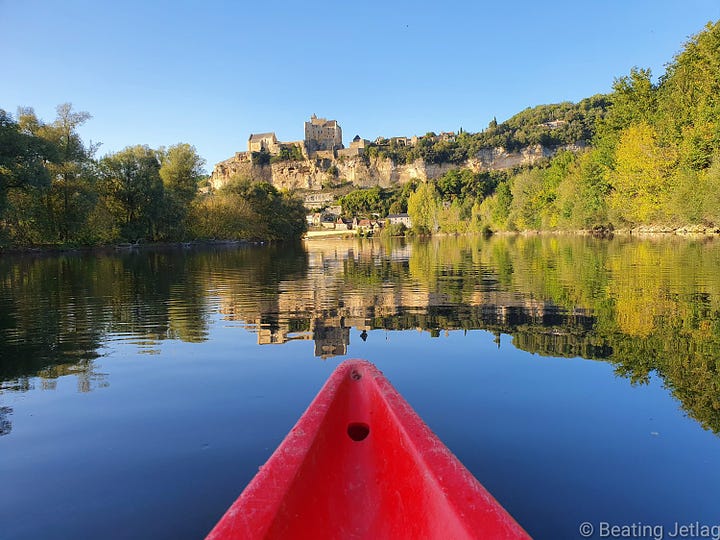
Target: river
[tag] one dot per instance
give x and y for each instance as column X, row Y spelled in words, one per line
column 577, row 378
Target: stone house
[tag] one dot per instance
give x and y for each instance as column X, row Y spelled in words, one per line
column 357, row 148
column 263, row 141
column 365, row 225
column 394, row 219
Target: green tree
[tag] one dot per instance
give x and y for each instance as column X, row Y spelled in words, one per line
column 423, row 208
column 527, row 199
column 279, row 215
column 71, row 196
column 133, row 190
column 582, row 194
column 689, row 109
column 181, row 168
column 362, row 202
column 22, row 158
column 640, row 179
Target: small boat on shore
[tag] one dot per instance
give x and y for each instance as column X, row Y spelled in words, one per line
column 360, row 463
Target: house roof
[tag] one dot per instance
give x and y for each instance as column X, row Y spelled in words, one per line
column 261, row 136
column 390, row 216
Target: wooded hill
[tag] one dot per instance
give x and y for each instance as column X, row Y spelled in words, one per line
column 653, row 159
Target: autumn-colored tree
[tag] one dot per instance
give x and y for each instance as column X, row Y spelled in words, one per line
column 423, row 206
column 640, row 179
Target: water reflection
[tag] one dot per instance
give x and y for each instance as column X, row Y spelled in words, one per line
column 644, row 305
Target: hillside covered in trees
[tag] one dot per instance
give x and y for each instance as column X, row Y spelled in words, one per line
column 547, row 125
column 652, row 159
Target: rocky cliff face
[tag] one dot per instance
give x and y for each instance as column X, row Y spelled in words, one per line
column 311, row 174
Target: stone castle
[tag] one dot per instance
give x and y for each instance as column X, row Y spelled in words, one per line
column 326, row 162
column 323, row 138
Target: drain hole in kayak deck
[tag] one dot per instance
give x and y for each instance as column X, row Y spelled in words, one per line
column 358, row 431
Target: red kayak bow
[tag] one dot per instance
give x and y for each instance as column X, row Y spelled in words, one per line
column 360, row 463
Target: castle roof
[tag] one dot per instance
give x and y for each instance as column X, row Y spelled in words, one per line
column 261, row 136
column 314, row 120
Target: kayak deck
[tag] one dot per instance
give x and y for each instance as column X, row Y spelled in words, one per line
column 360, row 463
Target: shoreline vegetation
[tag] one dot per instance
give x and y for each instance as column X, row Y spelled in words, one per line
column 54, row 193
column 647, row 161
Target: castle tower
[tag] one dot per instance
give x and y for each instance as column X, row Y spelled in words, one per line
column 322, row 134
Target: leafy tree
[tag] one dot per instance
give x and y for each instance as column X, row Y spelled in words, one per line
column 260, row 158
column 582, row 194
column 689, row 109
column 288, row 152
column 423, row 207
column 181, row 169
column 634, row 100
column 639, row 181
column 527, row 199
column 363, row 202
column 72, row 193
column 223, row 216
column 22, row 158
column 133, row 190
column 278, row 215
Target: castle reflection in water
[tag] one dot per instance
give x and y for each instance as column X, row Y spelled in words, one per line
column 375, row 286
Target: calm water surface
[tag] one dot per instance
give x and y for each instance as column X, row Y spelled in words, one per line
column 578, row 379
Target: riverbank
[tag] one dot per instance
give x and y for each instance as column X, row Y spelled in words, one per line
column 331, row 232
column 128, row 247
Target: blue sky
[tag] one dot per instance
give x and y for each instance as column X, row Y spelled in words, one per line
column 209, row 73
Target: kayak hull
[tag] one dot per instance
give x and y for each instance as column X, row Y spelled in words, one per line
column 360, row 463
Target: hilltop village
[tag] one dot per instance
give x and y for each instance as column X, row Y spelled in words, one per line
column 321, row 169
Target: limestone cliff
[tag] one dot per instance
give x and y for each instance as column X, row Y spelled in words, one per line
column 312, row 174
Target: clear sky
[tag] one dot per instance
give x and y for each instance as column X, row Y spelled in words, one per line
column 209, row 73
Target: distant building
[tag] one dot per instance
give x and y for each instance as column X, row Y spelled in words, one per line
column 357, row 148
column 317, row 200
column 322, row 134
column 327, row 221
column 313, row 220
column 394, row 219
column 357, row 142
column 263, row 141
column 400, row 141
column 365, row 225
column 554, row 124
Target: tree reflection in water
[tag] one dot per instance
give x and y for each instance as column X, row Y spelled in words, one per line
column 650, row 305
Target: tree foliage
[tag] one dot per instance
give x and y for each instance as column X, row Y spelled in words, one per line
column 651, row 157
column 23, row 157
column 423, row 208
column 53, row 191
